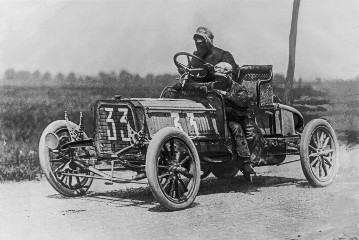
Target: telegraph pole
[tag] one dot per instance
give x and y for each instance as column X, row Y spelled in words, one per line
column 292, row 46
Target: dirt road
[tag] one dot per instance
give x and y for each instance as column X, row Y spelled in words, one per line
column 278, row 205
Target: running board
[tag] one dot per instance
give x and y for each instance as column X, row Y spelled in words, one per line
column 213, row 161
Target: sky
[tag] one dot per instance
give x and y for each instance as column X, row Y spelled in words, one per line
column 141, row 36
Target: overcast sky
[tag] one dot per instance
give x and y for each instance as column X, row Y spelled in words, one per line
column 142, row 36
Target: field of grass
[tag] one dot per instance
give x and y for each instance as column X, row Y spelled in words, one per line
column 26, row 110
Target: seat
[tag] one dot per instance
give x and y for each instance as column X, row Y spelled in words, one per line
column 258, row 81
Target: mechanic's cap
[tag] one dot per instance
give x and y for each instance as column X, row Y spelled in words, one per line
column 203, row 32
column 222, row 69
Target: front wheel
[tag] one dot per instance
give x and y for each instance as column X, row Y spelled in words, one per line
column 173, row 168
column 56, row 163
column 319, row 152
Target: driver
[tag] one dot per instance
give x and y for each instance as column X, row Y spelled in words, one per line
column 210, row 54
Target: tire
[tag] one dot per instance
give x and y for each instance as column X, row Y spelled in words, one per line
column 173, row 168
column 225, row 170
column 319, row 153
column 68, row 186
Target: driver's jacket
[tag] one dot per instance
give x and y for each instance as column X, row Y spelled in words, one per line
column 213, row 56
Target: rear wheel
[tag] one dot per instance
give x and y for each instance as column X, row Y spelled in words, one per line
column 56, row 163
column 319, row 152
column 225, row 170
column 206, row 169
column 173, row 168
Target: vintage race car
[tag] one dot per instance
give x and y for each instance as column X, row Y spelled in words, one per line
column 179, row 138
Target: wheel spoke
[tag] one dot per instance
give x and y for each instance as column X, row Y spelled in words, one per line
column 324, row 168
column 315, row 161
column 328, row 161
column 183, row 184
column 172, row 149
column 60, row 167
column 57, row 160
column 162, row 167
column 78, row 181
column 172, row 189
column 326, row 152
column 313, row 148
column 176, row 189
column 313, row 154
column 319, row 144
column 66, row 180
column 163, row 158
column 185, row 172
column 319, row 169
column 185, row 160
column 322, row 136
column 163, row 175
column 326, row 141
column 70, row 181
column 166, row 152
column 166, row 184
column 62, row 178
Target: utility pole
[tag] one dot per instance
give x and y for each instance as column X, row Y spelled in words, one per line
column 291, row 62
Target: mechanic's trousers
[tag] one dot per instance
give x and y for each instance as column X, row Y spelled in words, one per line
column 248, row 141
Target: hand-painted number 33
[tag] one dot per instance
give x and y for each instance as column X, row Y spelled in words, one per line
column 192, row 122
column 111, row 132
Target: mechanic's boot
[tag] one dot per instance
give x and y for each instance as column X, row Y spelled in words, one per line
column 248, row 170
column 248, row 177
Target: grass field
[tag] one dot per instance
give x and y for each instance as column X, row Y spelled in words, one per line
column 26, row 111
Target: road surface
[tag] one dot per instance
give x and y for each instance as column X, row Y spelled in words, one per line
column 278, row 205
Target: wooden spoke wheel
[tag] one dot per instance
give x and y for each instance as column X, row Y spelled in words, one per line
column 173, row 168
column 56, row 163
column 319, row 152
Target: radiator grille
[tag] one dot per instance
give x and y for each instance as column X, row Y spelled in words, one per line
column 114, row 122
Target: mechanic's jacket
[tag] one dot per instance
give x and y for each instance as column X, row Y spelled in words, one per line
column 237, row 101
column 213, row 56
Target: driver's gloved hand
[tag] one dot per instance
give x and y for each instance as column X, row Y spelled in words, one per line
column 177, row 86
column 210, row 68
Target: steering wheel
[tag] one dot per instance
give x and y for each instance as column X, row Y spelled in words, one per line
column 196, row 72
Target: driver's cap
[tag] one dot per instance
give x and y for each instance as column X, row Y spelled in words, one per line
column 203, row 32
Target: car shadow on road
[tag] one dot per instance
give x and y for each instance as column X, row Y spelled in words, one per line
column 129, row 197
column 238, row 184
column 142, row 196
